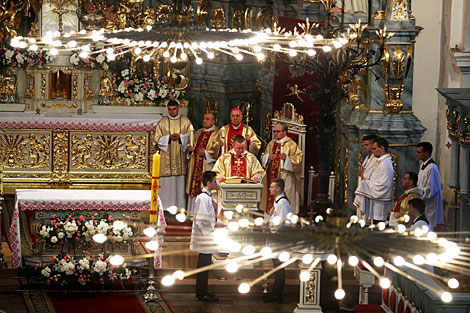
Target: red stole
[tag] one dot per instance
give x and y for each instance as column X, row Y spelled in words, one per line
column 238, row 165
column 273, row 172
column 398, row 204
column 196, row 183
column 232, row 132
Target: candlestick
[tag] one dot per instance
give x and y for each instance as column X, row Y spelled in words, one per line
column 191, row 136
column 282, row 151
column 223, row 139
column 154, row 193
column 1, row 179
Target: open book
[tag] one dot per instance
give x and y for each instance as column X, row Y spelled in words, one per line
column 238, row 180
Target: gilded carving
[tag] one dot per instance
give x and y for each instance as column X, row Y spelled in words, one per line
column 201, row 13
column 218, row 18
column 267, row 127
column 59, row 105
column 105, row 151
column 346, row 175
column 289, row 113
column 164, row 12
column 30, row 91
column 43, row 85
column 400, row 10
column 464, row 134
column 238, row 18
column 239, row 195
column 234, row 205
column 23, row 150
column 60, row 149
column 295, row 91
column 74, row 86
column 311, row 289
column 211, row 104
column 398, row 64
column 87, row 93
column 264, row 18
column 395, row 162
column 453, row 123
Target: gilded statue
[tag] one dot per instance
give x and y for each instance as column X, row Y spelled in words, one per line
column 10, row 17
column 112, row 21
column 106, row 89
column 9, row 88
column 122, row 12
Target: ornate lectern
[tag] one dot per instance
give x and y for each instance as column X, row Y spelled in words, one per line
column 231, row 195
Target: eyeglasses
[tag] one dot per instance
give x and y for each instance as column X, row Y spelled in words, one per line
column 278, row 131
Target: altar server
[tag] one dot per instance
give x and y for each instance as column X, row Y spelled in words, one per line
column 239, row 163
column 377, row 190
column 172, row 137
column 282, row 159
column 236, row 127
column 365, row 170
column 203, row 157
column 429, row 181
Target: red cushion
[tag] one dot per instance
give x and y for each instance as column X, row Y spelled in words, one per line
column 364, row 308
column 393, row 301
column 408, row 309
column 401, row 305
column 385, row 296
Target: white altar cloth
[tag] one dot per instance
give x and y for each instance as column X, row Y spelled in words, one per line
column 72, row 199
column 100, row 122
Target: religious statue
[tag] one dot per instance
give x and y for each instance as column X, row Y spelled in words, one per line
column 111, row 17
column 122, row 13
column 106, row 89
column 10, row 17
column 149, row 17
column 9, row 88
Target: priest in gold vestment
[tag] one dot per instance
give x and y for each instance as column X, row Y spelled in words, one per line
column 238, row 163
column 203, row 156
column 172, row 137
column 234, row 128
column 282, row 159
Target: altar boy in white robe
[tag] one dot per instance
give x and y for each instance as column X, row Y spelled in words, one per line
column 378, row 189
column 365, row 170
column 429, row 182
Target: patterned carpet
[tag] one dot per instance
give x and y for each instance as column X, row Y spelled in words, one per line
column 91, row 302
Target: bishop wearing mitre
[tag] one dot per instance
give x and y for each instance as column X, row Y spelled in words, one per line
column 238, row 163
column 203, row 156
column 282, row 159
column 172, row 137
column 236, row 127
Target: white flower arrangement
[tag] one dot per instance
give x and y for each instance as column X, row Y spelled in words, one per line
column 15, row 57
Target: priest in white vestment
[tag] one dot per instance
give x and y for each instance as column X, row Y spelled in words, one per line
column 429, row 182
column 172, row 137
column 378, row 189
column 239, row 163
column 365, row 171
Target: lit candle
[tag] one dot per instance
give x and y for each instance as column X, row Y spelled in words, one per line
column 191, row 136
column 154, row 192
column 223, row 139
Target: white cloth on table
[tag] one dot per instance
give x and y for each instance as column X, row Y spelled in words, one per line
column 172, row 191
column 429, row 182
column 205, row 219
column 378, row 189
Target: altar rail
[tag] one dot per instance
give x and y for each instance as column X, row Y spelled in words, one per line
column 91, row 149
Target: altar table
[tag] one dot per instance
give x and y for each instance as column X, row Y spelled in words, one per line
column 72, row 199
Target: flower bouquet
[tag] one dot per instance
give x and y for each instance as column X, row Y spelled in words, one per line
column 22, row 58
column 92, row 61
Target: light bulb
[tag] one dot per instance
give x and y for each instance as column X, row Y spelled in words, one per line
column 118, row 225
column 220, row 234
column 406, row 218
column 446, row 297
column 210, row 55
column 339, row 294
column 318, row 219
column 83, row 54
column 243, row 222
column 166, row 54
column 260, row 56
column 362, row 223
column 109, row 51
column 181, row 217
column 85, row 48
column 259, row 221
column 453, row 283
column 183, row 56
column 294, row 219
column 100, row 238
column 33, row 47
column 379, row 261
column 276, row 47
column 276, row 220
column 54, row 51
column 239, row 57
column 266, row 252
column 292, row 53
column 284, row 256
column 173, row 59
column 116, row 260
column 249, row 249
column 432, row 235
column 231, row 267
column 399, row 261
column 146, row 58
column 432, row 258
column 168, row 280
column 111, row 57
column 235, row 50
column 228, row 214
column 307, row 259
column 326, row 48
column 401, row 228
column 239, row 208
column 150, row 232
column 419, row 232
column 198, row 61
column 385, row 283
column 418, row 259
column 244, row 288
column 354, row 218
column 233, row 226
column 152, row 245
column 173, row 209
column 353, row 260
column 179, row 274
column 381, row 226
column 304, row 276
column 425, row 229
column 331, row 259
column 235, row 246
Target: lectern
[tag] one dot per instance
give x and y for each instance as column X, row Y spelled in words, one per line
column 231, row 195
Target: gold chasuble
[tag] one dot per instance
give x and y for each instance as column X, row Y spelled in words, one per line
column 174, row 159
column 227, row 132
column 290, row 170
column 204, row 139
column 245, row 166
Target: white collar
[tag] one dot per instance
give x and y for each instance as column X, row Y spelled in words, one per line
column 427, row 160
column 207, row 192
column 280, row 196
column 386, row 155
column 237, row 127
column 411, row 189
column 234, row 153
column 174, row 118
column 281, row 140
column 209, row 129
